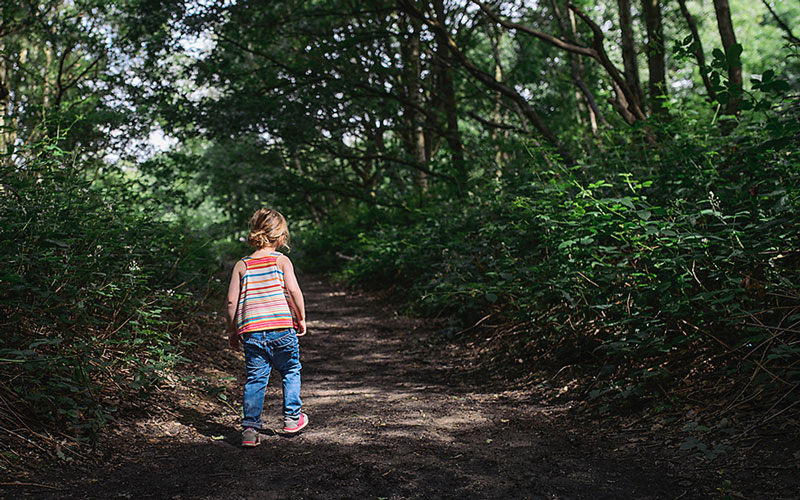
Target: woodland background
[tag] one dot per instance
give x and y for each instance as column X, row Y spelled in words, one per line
column 604, row 191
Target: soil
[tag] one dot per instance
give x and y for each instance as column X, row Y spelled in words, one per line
column 393, row 414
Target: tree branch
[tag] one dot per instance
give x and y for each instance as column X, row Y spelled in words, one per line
column 493, row 124
column 699, row 54
column 489, row 80
column 552, row 40
column 789, row 35
column 575, row 67
column 378, row 156
column 626, row 99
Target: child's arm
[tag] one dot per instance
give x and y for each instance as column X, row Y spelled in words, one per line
column 233, row 303
column 295, row 295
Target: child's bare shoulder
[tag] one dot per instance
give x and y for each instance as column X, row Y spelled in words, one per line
column 240, row 267
column 283, row 261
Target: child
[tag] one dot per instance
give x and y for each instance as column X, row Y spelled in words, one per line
column 266, row 313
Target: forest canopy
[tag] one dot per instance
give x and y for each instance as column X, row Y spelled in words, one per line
column 613, row 183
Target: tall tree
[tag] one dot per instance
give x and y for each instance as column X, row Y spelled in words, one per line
column 697, row 49
column 656, row 53
column 6, row 129
column 626, row 102
column 569, row 31
column 630, row 59
column 448, row 96
column 63, row 66
column 412, row 65
column 489, row 80
column 732, row 52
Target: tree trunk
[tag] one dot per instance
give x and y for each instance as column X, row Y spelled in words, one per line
column 46, row 85
column 447, row 94
column 413, row 86
column 657, row 83
column 698, row 52
column 629, row 59
column 625, row 102
column 576, row 68
column 494, row 38
column 728, row 37
column 4, row 98
column 8, row 132
column 411, row 9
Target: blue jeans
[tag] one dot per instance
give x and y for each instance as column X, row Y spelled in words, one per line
column 263, row 351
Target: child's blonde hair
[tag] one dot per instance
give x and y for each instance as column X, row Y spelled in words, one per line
column 268, row 228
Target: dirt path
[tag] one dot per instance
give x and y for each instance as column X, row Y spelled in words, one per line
column 390, row 418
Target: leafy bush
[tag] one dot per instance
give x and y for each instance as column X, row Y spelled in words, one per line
column 326, row 249
column 88, row 289
column 649, row 270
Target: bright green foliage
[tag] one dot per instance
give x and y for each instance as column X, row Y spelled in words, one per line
column 92, row 290
column 651, row 261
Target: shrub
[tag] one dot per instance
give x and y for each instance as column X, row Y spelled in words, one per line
column 89, row 289
column 650, row 262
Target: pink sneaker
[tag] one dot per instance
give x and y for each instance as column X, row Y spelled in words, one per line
column 295, row 424
column 250, row 438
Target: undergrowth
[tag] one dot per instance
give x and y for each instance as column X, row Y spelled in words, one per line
column 668, row 258
column 92, row 292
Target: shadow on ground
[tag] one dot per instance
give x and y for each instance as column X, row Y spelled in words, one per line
column 387, row 420
column 396, row 466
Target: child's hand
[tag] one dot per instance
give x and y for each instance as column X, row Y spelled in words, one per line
column 234, row 341
column 301, row 328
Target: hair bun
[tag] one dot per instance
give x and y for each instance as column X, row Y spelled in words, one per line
column 268, row 228
column 258, row 239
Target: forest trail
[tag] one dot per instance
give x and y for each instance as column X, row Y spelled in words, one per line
column 389, row 418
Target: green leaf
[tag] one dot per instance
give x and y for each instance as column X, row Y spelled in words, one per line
column 779, row 86
column 58, row 243
column 566, row 244
column 734, row 53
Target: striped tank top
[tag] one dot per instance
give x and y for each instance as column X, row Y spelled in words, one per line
column 262, row 299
